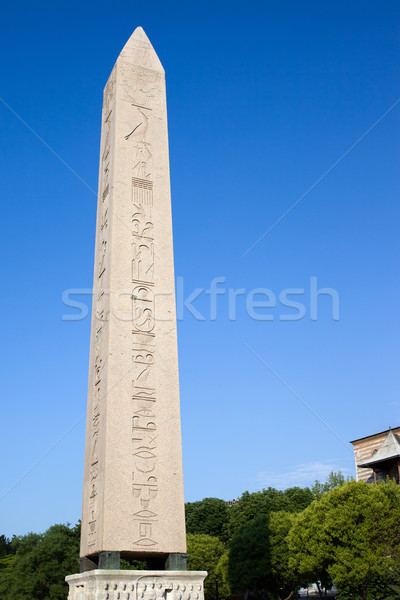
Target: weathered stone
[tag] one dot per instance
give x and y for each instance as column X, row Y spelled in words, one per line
column 133, row 483
column 136, row 585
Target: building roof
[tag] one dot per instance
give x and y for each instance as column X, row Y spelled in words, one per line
column 389, row 450
column 366, row 437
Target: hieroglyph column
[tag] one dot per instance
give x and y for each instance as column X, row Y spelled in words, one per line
column 133, row 483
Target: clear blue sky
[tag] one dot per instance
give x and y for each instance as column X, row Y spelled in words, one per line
column 263, row 98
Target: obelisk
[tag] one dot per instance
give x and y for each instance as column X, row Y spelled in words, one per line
column 133, row 503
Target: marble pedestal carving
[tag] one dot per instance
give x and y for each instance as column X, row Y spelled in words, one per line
column 136, row 585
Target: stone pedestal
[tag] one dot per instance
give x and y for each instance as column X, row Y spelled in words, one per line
column 102, row 584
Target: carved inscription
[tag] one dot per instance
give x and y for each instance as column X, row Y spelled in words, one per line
column 144, row 354
column 142, row 191
column 101, row 311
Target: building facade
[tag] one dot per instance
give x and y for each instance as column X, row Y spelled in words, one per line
column 377, row 456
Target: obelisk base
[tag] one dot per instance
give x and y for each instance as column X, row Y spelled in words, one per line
column 102, row 584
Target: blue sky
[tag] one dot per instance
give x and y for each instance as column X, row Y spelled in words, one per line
column 263, row 99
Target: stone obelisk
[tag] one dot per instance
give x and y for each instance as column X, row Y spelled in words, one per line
column 133, row 502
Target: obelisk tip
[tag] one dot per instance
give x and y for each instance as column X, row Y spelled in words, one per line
column 139, row 51
column 139, row 34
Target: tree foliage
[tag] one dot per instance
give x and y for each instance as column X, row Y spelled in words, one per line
column 204, row 553
column 41, row 562
column 221, row 572
column 259, row 557
column 208, row 516
column 281, row 540
column 285, row 581
column 6, row 561
column 335, row 479
column 296, row 499
column 350, row 536
column 6, row 546
column 249, row 566
column 251, row 505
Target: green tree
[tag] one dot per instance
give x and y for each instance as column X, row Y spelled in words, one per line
column 335, row 479
column 296, row 499
column 8, row 549
column 259, row 557
column 208, row 516
column 41, row 562
column 264, row 502
column 350, row 536
column 204, row 553
column 221, row 572
column 5, row 546
column 251, row 505
column 285, row 580
column 6, row 561
column 249, row 568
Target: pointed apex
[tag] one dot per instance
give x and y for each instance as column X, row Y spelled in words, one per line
column 138, row 51
column 140, row 35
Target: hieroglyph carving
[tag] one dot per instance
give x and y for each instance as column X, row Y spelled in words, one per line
column 142, row 102
column 133, row 482
column 101, row 307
